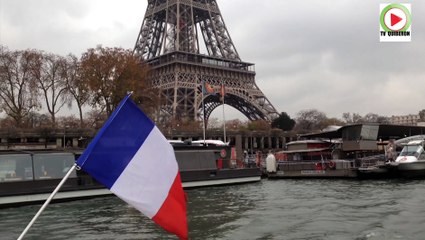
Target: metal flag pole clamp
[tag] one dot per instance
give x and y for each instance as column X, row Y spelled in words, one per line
column 52, row 195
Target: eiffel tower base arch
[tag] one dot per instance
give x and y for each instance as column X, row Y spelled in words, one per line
column 179, row 83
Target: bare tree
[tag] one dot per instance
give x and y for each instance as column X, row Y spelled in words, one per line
column 18, row 90
column 234, row 124
column 375, row 118
column 50, row 74
column 346, row 117
column 352, row 118
column 77, row 87
column 66, row 122
column 37, row 120
column 310, row 120
column 258, row 125
column 95, row 118
column 357, row 118
column 422, row 115
column 213, row 123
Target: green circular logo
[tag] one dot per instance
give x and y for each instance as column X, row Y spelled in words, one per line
column 400, row 7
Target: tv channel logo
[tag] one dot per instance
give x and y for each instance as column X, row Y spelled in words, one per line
column 395, row 22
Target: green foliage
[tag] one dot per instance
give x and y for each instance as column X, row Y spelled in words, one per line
column 284, row 122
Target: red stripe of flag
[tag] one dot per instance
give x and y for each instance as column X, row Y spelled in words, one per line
column 172, row 214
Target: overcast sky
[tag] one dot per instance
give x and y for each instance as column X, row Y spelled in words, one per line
column 308, row 54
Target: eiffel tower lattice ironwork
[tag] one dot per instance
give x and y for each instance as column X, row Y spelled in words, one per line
column 169, row 41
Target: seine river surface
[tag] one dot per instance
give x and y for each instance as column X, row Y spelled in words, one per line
column 279, row 209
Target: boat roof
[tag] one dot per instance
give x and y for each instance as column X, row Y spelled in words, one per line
column 304, row 150
column 415, row 142
column 407, row 140
column 211, row 142
column 306, row 141
column 386, row 131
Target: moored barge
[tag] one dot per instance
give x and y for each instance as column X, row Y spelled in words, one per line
column 29, row 177
column 311, row 159
column 353, row 151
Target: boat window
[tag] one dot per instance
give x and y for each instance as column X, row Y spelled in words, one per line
column 196, row 160
column 351, row 133
column 52, row 165
column 369, row 132
column 420, row 153
column 411, row 151
column 15, row 167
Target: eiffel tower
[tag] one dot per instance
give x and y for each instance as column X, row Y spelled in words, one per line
column 169, row 42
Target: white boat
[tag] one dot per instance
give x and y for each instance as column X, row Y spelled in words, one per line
column 411, row 160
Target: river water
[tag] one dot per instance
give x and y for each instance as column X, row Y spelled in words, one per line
column 279, row 209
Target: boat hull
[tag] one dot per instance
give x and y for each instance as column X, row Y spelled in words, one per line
column 199, row 167
column 33, row 192
column 412, row 170
column 303, row 169
column 205, row 178
column 343, row 173
column 380, row 171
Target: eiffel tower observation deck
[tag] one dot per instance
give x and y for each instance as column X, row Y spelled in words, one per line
column 169, row 40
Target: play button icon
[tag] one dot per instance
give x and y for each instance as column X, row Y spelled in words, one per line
column 395, row 19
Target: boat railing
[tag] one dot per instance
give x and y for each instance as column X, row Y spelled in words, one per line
column 316, row 164
column 370, row 161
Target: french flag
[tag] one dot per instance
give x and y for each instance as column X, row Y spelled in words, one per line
column 132, row 158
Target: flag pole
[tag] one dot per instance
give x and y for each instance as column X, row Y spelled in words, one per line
column 224, row 125
column 224, row 119
column 203, row 110
column 47, row 201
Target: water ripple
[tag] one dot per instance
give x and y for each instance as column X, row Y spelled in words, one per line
column 279, row 209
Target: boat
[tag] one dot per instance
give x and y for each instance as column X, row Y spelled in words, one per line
column 212, row 165
column 411, row 161
column 351, row 151
column 28, row 177
column 311, row 159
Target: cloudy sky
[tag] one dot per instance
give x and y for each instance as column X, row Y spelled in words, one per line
column 309, row 54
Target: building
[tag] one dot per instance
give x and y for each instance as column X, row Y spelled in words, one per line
column 410, row 120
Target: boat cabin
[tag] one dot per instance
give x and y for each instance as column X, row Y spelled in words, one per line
column 32, row 166
column 412, row 152
column 306, row 150
column 368, row 137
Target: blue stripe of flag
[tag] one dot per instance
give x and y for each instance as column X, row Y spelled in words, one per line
column 109, row 153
